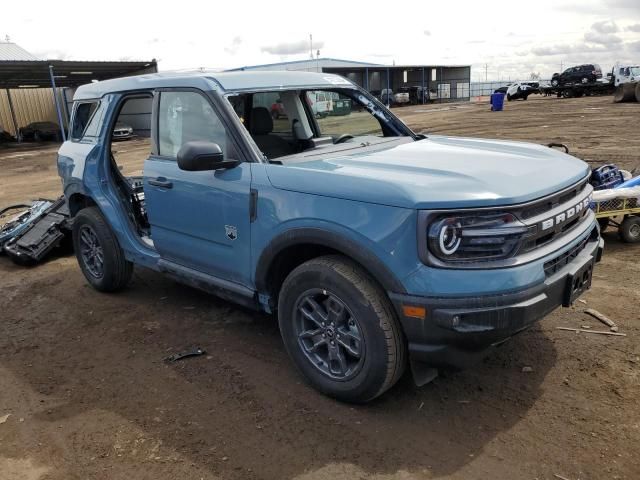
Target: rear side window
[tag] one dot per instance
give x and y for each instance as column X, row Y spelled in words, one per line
column 83, row 115
column 185, row 117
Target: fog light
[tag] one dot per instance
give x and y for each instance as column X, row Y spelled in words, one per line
column 455, row 321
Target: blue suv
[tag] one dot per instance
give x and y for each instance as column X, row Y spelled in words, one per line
column 376, row 247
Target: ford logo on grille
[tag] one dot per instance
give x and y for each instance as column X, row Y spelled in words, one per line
column 567, row 215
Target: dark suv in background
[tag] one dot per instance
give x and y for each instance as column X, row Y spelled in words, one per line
column 581, row 74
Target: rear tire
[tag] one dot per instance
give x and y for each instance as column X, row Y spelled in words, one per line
column 630, row 230
column 340, row 329
column 509, row 97
column 99, row 255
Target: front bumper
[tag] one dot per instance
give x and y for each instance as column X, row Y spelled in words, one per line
column 458, row 332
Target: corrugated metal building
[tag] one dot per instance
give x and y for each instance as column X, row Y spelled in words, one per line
column 10, row 52
column 448, row 82
column 30, row 105
column 315, row 65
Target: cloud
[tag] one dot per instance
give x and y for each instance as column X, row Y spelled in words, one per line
column 634, row 27
column 602, row 38
column 606, row 26
column 566, row 49
column 633, row 46
column 235, row 45
column 52, row 54
column 477, row 41
column 291, row 48
column 622, row 4
column 427, row 33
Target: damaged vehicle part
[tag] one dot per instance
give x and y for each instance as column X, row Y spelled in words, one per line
column 15, row 219
column 40, row 236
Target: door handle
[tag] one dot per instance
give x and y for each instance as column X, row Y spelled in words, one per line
column 161, row 182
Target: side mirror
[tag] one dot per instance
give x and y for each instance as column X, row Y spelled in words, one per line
column 198, row 156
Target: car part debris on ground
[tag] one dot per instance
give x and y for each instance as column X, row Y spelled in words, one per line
column 194, row 352
column 28, row 233
column 15, row 219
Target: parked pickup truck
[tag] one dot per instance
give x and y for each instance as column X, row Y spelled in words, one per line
column 377, row 248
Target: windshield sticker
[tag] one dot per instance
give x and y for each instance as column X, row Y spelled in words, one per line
column 336, row 80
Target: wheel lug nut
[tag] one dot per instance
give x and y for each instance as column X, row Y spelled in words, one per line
column 323, row 335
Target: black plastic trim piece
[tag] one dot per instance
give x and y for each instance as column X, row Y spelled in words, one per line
column 253, row 205
column 221, row 288
column 316, row 236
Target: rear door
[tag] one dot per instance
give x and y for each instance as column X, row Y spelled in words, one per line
column 198, row 219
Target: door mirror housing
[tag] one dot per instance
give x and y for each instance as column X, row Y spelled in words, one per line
column 199, row 156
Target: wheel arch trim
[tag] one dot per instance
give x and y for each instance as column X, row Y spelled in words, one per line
column 324, row 238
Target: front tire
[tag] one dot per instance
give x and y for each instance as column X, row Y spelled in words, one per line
column 99, row 255
column 340, row 330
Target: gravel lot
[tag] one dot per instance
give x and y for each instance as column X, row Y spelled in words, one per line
column 89, row 397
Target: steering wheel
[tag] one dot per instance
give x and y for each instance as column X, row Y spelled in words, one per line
column 343, row 138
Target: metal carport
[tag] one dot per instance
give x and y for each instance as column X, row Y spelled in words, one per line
column 55, row 74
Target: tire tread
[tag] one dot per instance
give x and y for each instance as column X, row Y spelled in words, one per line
column 377, row 298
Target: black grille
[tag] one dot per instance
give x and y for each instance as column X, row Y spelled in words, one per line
column 553, row 201
column 557, row 263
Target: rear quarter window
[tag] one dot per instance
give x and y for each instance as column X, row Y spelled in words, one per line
column 84, row 117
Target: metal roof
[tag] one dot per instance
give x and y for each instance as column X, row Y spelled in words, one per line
column 236, row 81
column 35, row 73
column 312, row 62
column 11, row 51
column 398, row 67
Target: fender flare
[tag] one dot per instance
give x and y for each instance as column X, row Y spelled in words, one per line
column 304, row 235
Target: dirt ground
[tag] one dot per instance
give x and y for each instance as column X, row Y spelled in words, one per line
column 89, row 397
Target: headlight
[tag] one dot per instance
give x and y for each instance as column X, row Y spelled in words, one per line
column 473, row 238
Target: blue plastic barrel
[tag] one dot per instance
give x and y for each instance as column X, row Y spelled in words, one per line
column 497, row 101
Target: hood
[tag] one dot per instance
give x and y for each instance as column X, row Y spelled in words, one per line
column 437, row 172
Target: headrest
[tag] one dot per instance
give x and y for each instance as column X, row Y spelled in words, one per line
column 261, row 122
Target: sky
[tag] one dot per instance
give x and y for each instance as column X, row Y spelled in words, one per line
column 503, row 40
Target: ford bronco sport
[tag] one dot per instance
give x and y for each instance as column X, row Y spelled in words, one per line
column 377, row 247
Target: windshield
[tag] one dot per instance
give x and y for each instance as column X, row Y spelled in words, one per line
column 634, row 70
column 287, row 122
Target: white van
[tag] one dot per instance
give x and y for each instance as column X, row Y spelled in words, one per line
column 320, row 102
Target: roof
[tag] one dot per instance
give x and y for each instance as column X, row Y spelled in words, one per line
column 298, row 62
column 35, row 73
column 400, row 67
column 11, row 51
column 236, row 81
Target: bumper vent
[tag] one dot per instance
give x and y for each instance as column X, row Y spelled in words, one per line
column 564, row 259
